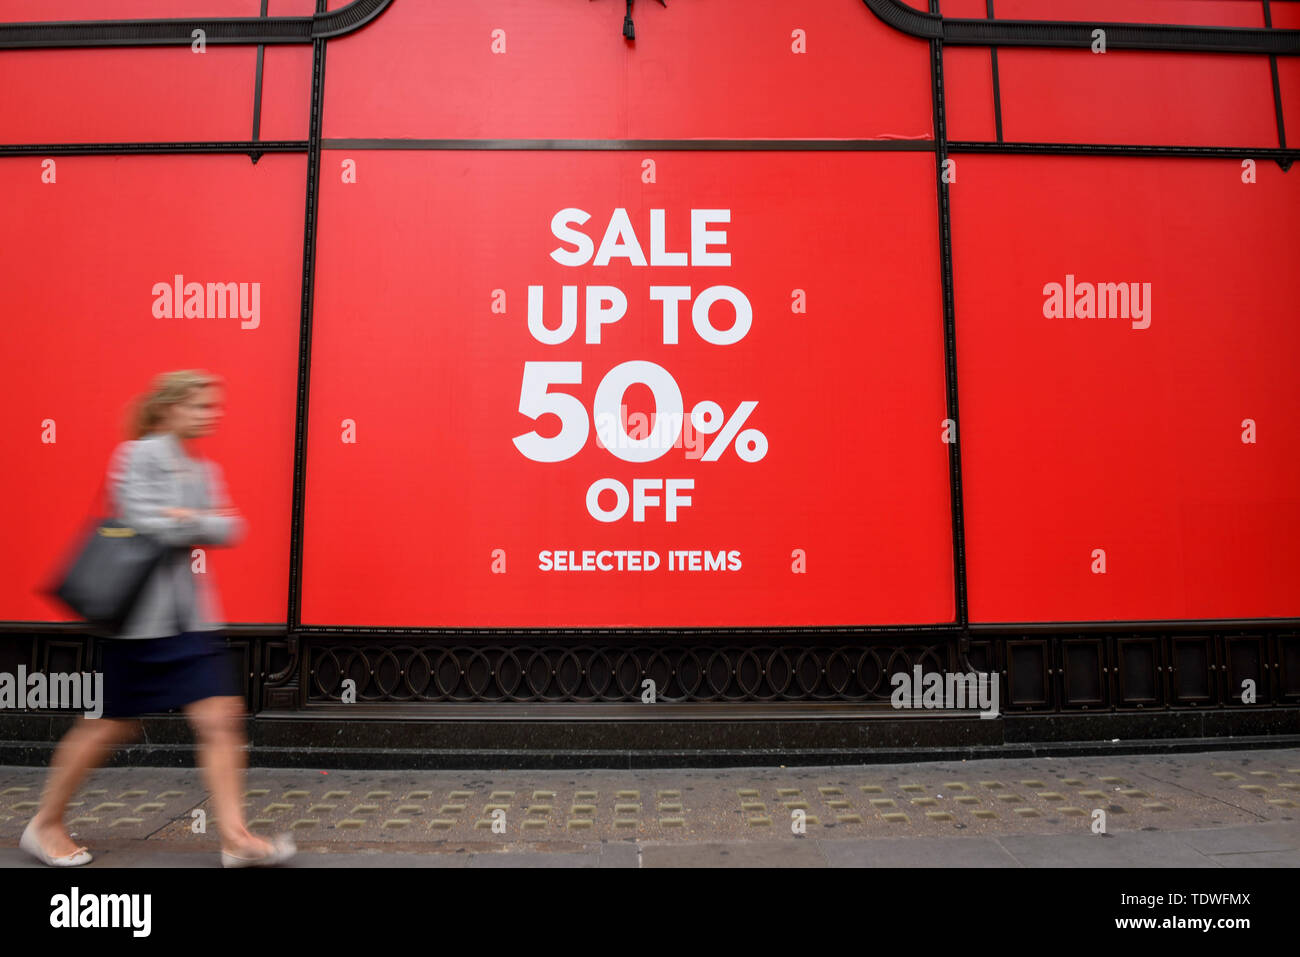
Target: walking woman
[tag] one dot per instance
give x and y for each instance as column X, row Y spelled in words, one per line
column 169, row 653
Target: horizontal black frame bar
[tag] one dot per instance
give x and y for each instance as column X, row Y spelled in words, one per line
column 216, row 30
column 1078, row 34
column 741, row 145
column 1124, row 149
column 279, row 630
column 721, row 145
column 117, row 149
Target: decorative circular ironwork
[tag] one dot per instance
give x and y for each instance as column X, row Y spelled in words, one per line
column 503, row 672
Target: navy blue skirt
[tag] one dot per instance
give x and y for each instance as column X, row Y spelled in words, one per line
column 147, row 675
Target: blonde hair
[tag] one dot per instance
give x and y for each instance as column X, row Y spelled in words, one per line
column 149, row 409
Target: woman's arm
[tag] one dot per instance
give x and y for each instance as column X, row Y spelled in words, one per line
column 140, row 490
column 221, row 524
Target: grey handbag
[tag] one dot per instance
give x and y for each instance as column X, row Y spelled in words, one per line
column 109, row 569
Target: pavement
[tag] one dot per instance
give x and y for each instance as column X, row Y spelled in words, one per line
column 1215, row 809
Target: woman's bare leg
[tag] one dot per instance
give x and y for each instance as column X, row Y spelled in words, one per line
column 218, row 725
column 82, row 749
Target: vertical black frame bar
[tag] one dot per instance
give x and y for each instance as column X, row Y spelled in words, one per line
column 997, row 82
column 950, row 345
column 293, row 613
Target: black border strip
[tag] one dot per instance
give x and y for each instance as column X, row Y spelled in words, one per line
column 217, row 30
column 1073, row 33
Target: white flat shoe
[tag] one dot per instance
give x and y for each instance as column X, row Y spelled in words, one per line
column 282, row 849
column 33, row 847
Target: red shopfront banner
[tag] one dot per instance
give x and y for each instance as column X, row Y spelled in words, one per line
column 625, row 389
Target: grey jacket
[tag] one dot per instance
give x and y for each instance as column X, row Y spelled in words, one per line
column 145, row 477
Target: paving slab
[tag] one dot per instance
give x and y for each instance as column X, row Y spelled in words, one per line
column 1186, row 809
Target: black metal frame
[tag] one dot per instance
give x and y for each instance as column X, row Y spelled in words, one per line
column 1051, row 667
